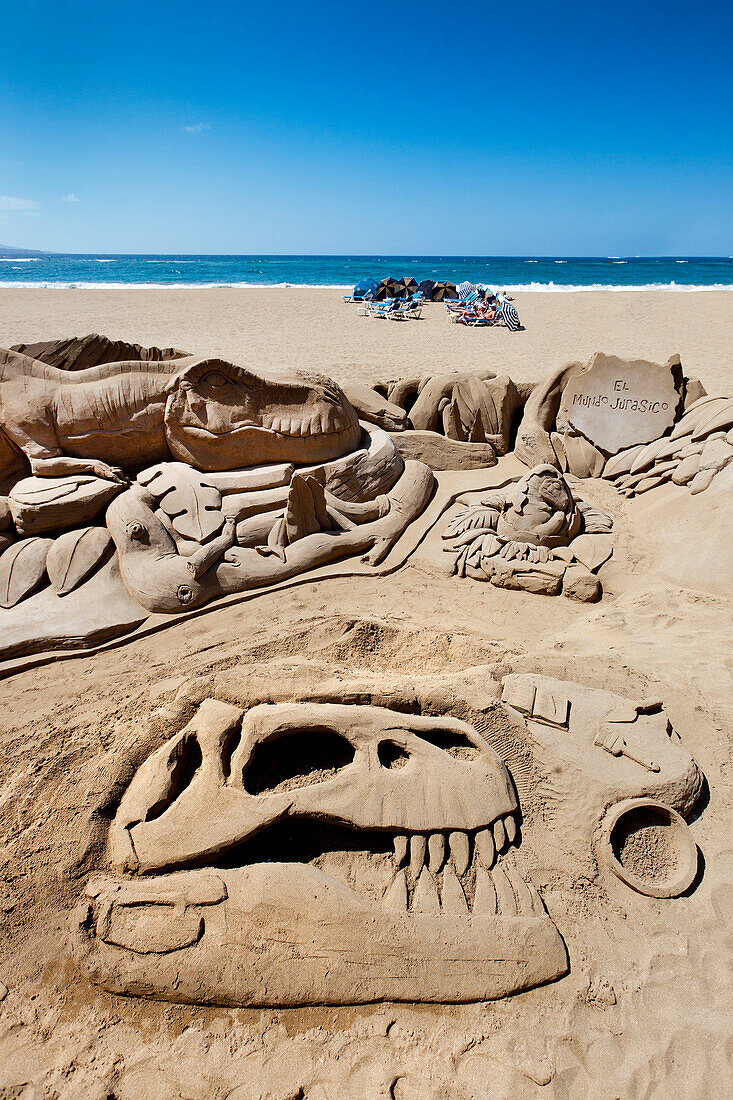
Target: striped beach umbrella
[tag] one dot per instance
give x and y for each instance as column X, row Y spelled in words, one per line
column 444, row 290
column 390, row 288
column 509, row 316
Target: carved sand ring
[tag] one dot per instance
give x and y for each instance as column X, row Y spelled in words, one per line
column 649, row 846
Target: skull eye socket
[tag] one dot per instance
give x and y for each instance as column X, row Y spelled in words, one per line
column 392, row 755
column 216, row 379
column 296, row 758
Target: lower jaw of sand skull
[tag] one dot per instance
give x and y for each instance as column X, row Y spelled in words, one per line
column 445, row 929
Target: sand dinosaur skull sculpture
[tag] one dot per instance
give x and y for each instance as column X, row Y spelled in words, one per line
column 416, row 814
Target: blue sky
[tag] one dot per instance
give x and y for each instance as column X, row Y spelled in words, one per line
column 423, row 128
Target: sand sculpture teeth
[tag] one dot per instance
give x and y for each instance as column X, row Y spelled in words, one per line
column 457, row 873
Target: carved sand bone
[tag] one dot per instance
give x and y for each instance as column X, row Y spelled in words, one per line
column 453, row 924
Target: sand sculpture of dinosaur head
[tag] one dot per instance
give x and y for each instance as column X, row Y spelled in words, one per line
column 222, row 416
column 345, row 854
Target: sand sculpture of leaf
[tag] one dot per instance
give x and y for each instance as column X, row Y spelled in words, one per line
column 46, row 490
column 74, row 556
column 192, row 503
column 22, row 568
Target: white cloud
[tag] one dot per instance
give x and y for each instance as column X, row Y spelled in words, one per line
column 71, row 197
column 197, row 128
column 18, row 206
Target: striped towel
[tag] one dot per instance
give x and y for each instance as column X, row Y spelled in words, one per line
column 509, row 316
column 464, row 289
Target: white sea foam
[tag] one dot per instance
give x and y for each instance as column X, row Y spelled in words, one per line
column 515, row 288
column 20, row 259
column 89, row 284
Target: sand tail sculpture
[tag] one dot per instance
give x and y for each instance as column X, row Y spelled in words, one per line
column 344, row 854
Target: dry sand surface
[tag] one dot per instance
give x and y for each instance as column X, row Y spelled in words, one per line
column 645, row 1009
column 314, row 329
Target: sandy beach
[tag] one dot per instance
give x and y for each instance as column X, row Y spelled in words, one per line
column 643, row 1009
column 315, row 330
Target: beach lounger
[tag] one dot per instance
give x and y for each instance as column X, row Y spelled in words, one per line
column 455, row 304
column 401, row 311
column 385, row 308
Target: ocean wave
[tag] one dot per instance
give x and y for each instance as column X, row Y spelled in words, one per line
column 515, row 288
column 20, row 259
column 88, row 284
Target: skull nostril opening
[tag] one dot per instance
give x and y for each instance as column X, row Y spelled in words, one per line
column 450, row 741
column 392, row 755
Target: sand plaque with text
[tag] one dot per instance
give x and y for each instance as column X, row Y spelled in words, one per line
column 616, row 403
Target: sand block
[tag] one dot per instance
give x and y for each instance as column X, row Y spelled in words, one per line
column 580, row 584
column 686, row 470
column 616, row 403
column 592, row 550
column 41, row 504
column 545, row 579
column 441, row 453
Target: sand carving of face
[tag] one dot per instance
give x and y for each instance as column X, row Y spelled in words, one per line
column 220, row 416
column 343, row 855
column 540, row 510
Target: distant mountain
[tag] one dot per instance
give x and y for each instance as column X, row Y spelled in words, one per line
column 8, row 252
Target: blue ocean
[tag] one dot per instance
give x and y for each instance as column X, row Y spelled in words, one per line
column 517, row 273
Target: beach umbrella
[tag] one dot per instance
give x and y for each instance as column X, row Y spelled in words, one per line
column 444, row 290
column 426, row 288
column 364, row 287
column 464, row 289
column 390, row 288
column 410, row 284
